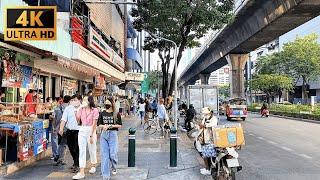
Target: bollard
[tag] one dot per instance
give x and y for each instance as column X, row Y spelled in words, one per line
column 173, row 147
column 132, row 148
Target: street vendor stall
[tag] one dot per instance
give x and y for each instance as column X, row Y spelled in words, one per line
column 21, row 137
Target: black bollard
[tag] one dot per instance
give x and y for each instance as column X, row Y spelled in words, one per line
column 173, row 147
column 132, row 148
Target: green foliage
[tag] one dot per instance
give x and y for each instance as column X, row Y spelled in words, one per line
column 154, row 77
column 224, row 91
column 182, row 21
column 271, row 84
column 299, row 60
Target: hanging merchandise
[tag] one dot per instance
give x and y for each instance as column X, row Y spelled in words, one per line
column 100, row 82
column 69, row 86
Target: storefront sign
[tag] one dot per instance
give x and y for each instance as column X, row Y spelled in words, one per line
column 132, row 76
column 65, row 63
column 97, row 44
column 16, row 76
column 30, row 23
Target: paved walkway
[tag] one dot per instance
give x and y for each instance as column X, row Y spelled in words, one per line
column 152, row 159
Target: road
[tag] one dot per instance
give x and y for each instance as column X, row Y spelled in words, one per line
column 276, row 149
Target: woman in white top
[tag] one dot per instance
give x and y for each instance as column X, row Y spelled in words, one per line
column 209, row 121
column 142, row 107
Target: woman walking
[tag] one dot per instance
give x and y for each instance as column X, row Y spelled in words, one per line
column 110, row 123
column 142, row 108
column 87, row 116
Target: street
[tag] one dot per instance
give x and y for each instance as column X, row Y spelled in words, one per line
column 276, row 148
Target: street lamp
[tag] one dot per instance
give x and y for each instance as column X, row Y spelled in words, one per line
column 158, row 89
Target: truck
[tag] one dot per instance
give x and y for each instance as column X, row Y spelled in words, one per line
column 201, row 96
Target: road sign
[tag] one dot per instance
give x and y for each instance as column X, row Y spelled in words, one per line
column 145, row 84
column 30, row 23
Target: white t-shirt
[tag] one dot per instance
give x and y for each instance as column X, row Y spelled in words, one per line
column 142, row 107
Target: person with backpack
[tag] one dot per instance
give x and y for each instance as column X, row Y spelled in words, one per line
column 59, row 143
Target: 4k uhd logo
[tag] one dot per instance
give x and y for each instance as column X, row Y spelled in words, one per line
column 30, row 23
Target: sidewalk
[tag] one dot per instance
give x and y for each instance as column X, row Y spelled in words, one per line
column 152, row 159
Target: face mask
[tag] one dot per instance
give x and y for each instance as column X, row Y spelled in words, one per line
column 108, row 106
column 50, row 101
column 75, row 103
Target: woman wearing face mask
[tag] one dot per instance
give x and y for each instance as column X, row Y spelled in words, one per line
column 209, row 121
column 110, row 123
column 87, row 116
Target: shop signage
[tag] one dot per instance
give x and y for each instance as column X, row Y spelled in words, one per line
column 132, row 76
column 16, row 76
column 97, row 44
column 30, row 23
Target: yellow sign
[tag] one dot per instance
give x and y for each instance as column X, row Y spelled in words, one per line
column 30, row 23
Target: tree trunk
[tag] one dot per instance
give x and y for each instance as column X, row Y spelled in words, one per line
column 304, row 91
column 181, row 49
column 280, row 95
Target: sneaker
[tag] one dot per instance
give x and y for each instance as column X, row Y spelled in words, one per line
column 52, row 158
column 114, row 171
column 72, row 167
column 161, row 137
column 92, row 170
column 78, row 176
column 205, row 172
column 106, row 178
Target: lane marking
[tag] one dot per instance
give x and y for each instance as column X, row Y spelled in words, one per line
column 286, row 148
column 305, row 156
column 260, row 138
column 251, row 134
column 272, row 142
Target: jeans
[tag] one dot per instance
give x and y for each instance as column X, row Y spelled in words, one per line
column 62, row 145
column 109, row 152
column 72, row 141
column 142, row 114
column 54, row 143
column 83, row 140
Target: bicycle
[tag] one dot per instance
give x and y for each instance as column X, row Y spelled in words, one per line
column 151, row 125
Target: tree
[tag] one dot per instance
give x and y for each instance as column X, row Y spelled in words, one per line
column 302, row 57
column 182, row 21
column 272, row 84
column 224, row 92
column 154, row 78
column 299, row 60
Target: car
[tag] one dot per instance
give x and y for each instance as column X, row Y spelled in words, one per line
column 237, row 109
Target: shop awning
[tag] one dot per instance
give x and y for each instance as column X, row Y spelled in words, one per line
column 85, row 56
column 134, row 55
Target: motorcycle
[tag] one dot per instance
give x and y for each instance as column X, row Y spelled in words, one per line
column 225, row 164
column 264, row 113
column 224, row 161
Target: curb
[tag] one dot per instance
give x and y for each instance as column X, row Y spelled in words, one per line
column 292, row 118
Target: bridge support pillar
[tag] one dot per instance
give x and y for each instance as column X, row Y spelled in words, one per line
column 237, row 63
column 204, row 79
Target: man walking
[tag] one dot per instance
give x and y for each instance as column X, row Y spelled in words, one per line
column 59, row 142
column 69, row 121
column 162, row 115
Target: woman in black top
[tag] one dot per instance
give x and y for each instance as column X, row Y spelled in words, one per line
column 110, row 123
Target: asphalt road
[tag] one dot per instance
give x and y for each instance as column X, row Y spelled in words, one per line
column 278, row 148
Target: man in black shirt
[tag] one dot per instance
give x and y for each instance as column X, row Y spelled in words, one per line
column 191, row 112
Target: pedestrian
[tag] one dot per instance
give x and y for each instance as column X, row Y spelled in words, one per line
column 191, row 112
column 154, row 107
column 142, row 108
column 69, row 121
column 87, row 116
column 116, row 104
column 59, row 142
column 110, row 123
column 30, row 101
column 162, row 115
